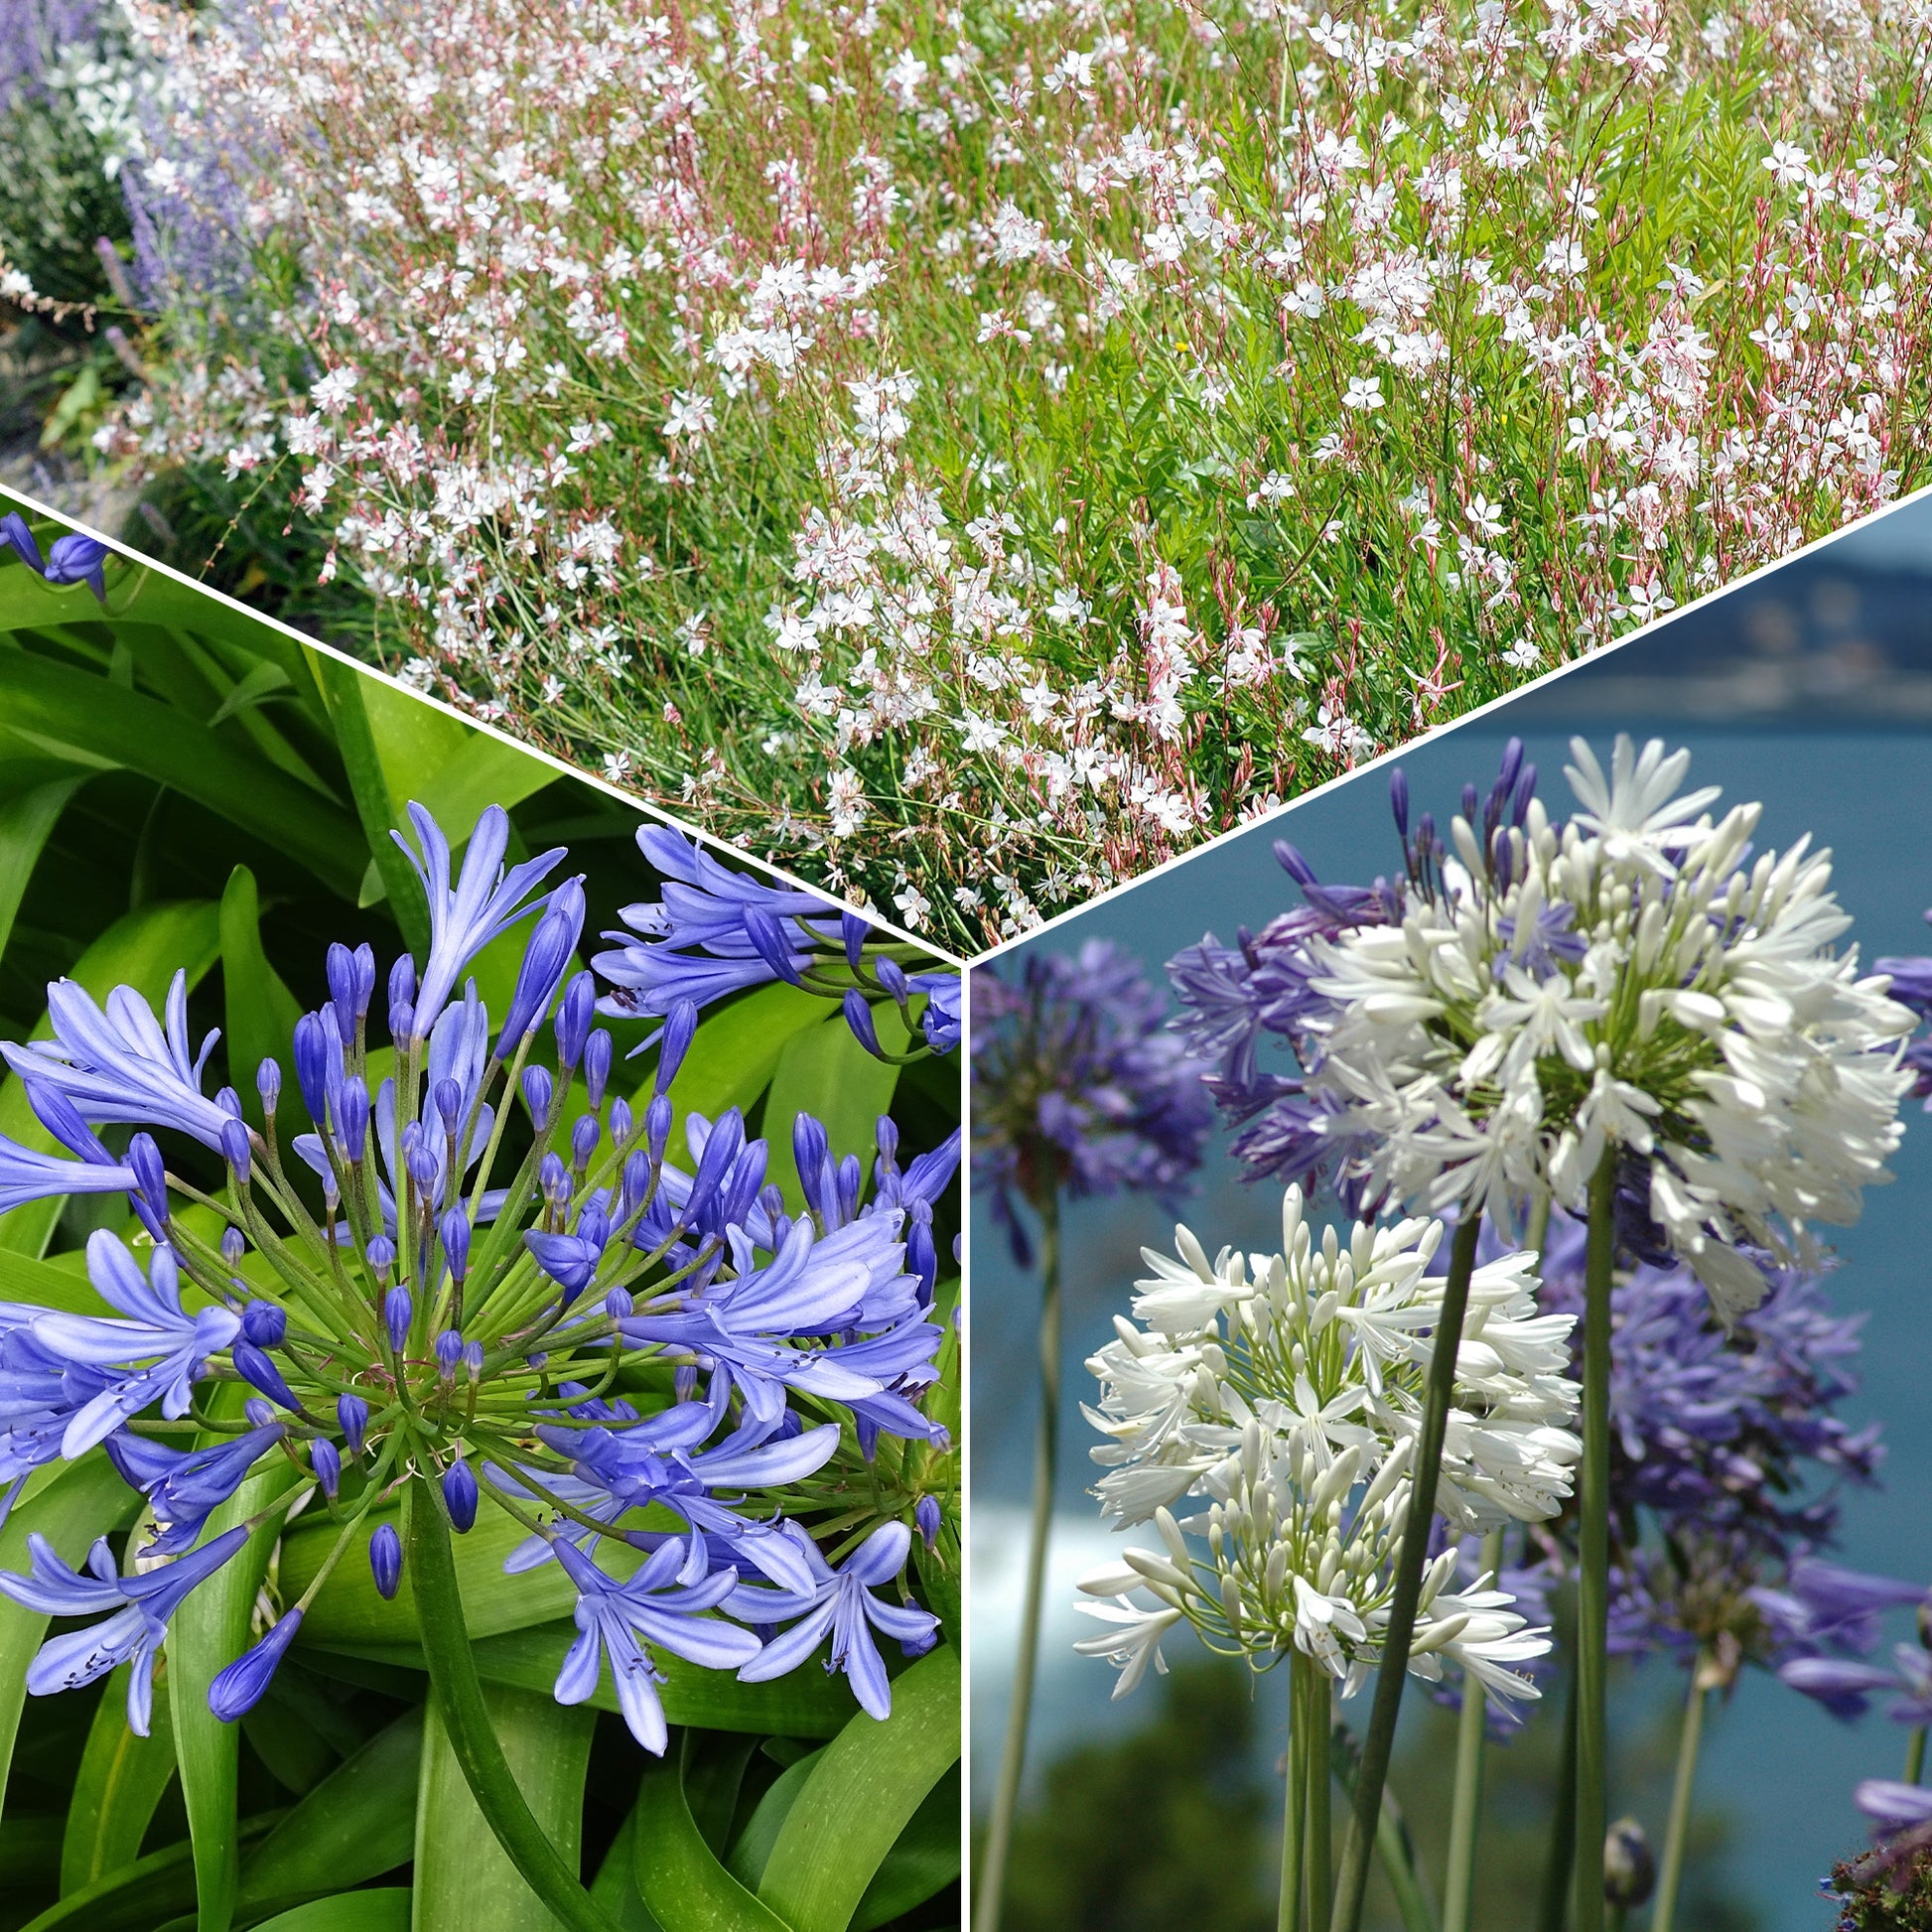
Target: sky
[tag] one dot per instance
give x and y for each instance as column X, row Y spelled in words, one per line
column 1833, row 658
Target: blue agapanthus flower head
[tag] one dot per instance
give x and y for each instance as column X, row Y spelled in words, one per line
column 1079, row 1085
column 460, row 1257
column 715, row 931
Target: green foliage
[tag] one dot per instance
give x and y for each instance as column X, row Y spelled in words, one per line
column 182, row 784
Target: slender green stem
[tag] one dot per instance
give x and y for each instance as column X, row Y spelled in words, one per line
column 1317, row 1705
column 1677, row 1832
column 1563, row 1824
column 1358, row 1849
column 1915, row 1755
column 466, row 1718
column 1465, row 1809
column 1013, row 1760
column 1593, row 1555
column 1288, row 1916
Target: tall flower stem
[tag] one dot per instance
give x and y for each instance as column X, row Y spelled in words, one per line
column 1594, row 1553
column 1676, row 1834
column 1318, row 1857
column 1915, row 1755
column 466, row 1718
column 1358, row 1849
column 1465, row 1809
column 1288, row 1915
column 1562, row 1823
column 1012, row 1758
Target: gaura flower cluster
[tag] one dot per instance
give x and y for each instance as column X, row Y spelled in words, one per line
column 460, row 1255
column 1282, row 1396
column 1529, row 994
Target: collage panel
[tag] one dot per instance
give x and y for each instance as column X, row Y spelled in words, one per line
column 1421, row 1001
column 967, row 455
column 480, row 1356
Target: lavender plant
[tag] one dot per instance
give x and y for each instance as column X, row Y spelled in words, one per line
column 455, row 1274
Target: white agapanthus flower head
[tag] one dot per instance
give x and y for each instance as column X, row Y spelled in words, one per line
column 1277, row 1400
column 1633, row 978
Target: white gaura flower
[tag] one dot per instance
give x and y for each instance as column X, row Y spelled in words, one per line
column 1278, row 1399
column 1634, row 979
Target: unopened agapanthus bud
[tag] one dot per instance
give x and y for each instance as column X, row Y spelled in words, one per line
column 144, row 1156
column 657, row 1125
column 399, row 1311
column 1399, row 800
column 449, row 1103
column 597, row 1066
column 472, row 1359
column 421, row 1163
column 240, row 1687
column 621, row 1120
column 857, row 1016
column 771, row 941
column 617, row 1303
column 264, row 1323
column 257, row 1368
column 354, row 1415
column 680, row 1026
column 637, row 1173
column 554, row 1179
column 584, row 1137
column 385, row 1559
column 312, row 1069
column 351, row 979
column 1629, row 1872
column 923, row 1260
column 811, row 1147
column 326, row 1461
column 552, row 941
column 228, row 1101
column 235, row 1149
column 460, row 1494
column 268, row 1083
column 402, row 999
column 449, row 1352
column 574, row 1016
column 538, row 1087
column 383, row 1255
column 892, row 976
column 927, row 1516
column 885, row 1136
column 259, row 1413
column 352, row 1111
column 234, row 1244
column 855, row 932
column 455, row 1230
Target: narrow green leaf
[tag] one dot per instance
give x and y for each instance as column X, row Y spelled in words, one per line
column 355, row 1824
column 26, row 821
column 468, row 1719
column 136, row 1896
column 72, row 706
column 752, row 1851
column 447, row 764
column 465, row 1879
column 208, row 1633
column 384, row 1911
column 616, row 1885
column 924, row 1858
column 48, row 1285
column 862, row 1794
column 678, row 1873
column 260, row 1011
column 825, row 1072
column 121, row 1781
column 347, row 691
column 258, row 684
column 143, row 949
column 71, row 1505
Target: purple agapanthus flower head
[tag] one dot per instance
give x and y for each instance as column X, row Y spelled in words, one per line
column 1079, row 1084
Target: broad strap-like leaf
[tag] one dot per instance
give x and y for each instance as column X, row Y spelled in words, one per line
column 70, row 1504
column 743, row 1042
column 465, row 1880
column 122, row 1778
column 862, row 1792
column 260, row 1011
column 207, row 1633
column 382, row 1909
column 26, row 821
column 358, row 1823
column 683, row 1884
